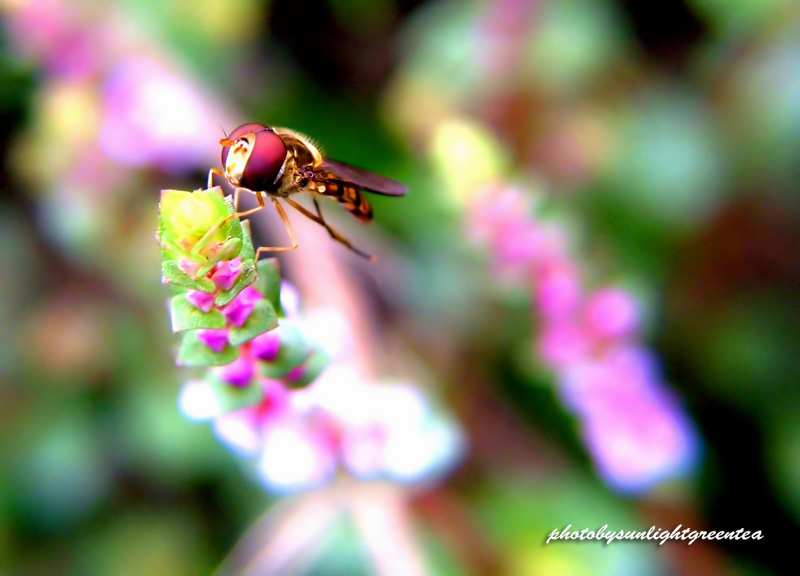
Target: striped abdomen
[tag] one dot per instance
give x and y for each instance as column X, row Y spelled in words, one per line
column 351, row 198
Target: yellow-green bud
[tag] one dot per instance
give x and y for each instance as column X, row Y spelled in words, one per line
column 190, row 215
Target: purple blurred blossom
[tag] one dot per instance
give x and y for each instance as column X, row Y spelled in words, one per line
column 518, row 244
column 294, row 458
column 243, row 429
column 611, row 313
column 55, row 34
column 371, row 430
column 633, row 427
column 558, row 290
column 202, row 300
column 214, row 339
column 153, row 116
column 562, row 344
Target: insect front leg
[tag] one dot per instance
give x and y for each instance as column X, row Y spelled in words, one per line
column 236, row 213
column 211, row 173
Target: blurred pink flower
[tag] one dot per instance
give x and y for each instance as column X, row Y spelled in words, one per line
column 633, row 428
column 239, row 372
column 154, row 116
column 300, row 439
column 55, row 33
column 611, row 313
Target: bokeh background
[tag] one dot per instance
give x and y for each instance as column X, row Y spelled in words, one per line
column 659, row 143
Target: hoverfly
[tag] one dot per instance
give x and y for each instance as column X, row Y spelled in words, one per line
column 277, row 163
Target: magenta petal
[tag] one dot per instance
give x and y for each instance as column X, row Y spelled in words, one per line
column 238, row 373
column 226, row 273
column 214, row 339
column 240, row 308
column 266, row 346
column 237, row 312
column 202, row 300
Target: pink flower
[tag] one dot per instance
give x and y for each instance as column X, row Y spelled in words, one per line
column 239, row 372
column 226, row 273
column 243, row 429
column 153, row 116
column 299, row 440
column 201, row 300
column 633, row 428
column 267, row 345
column 214, row 339
column 239, row 309
column 611, row 313
column 563, row 343
column 557, row 289
column 50, row 32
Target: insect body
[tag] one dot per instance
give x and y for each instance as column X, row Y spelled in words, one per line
column 276, row 163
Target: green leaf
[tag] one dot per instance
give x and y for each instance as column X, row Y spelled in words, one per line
column 248, row 251
column 262, row 319
column 193, row 352
column 232, row 398
column 186, row 316
column 171, row 273
column 269, row 281
column 294, row 351
column 313, row 367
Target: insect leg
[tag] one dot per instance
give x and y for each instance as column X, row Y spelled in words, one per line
column 211, row 173
column 319, row 219
column 236, row 214
column 213, row 230
column 289, row 231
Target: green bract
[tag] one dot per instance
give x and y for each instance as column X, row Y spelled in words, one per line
column 197, row 227
column 191, row 214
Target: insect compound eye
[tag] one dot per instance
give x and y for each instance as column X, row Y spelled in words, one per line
column 267, row 155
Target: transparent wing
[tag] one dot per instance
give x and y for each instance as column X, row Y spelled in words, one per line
column 363, row 179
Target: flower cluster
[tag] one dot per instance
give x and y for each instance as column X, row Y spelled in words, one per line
column 300, row 439
column 238, row 319
column 632, row 425
column 226, row 307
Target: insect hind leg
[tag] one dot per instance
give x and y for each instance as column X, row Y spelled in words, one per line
column 319, row 219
